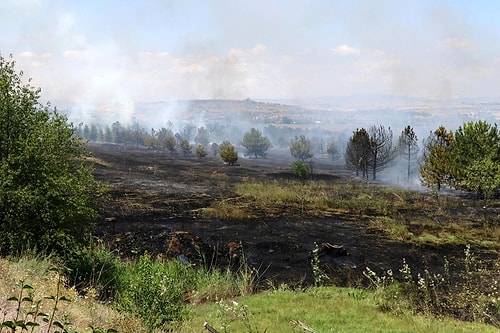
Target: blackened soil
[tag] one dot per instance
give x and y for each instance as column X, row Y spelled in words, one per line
column 156, row 198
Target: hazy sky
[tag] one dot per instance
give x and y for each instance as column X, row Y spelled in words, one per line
column 132, row 50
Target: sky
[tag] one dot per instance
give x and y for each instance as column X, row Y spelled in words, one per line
column 131, row 51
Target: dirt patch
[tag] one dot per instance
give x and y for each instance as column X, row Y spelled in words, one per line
column 153, row 207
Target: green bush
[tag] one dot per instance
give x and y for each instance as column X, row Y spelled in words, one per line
column 48, row 194
column 95, row 269
column 301, row 169
column 154, row 290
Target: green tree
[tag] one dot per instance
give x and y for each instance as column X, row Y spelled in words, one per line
column 186, row 147
column 301, row 148
column 201, row 151
column 436, row 159
column 255, row 143
column 48, row 195
column 166, row 139
column 408, row 147
column 228, row 153
column 476, row 149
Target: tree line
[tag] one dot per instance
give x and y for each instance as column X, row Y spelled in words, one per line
column 466, row 159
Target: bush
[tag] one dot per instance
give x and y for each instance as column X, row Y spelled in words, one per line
column 94, row 270
column 154, row 291
column 301, row 169
column 48, row 194
column 472, row 295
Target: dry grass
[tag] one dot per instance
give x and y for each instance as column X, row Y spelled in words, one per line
column 81, row 312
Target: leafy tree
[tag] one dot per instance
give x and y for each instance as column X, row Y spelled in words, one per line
column 475, row 152
column 166, row 139
column 186, row 147
column 202, row 137
column 255, row 143
column 300, row 147
column 357, row 152
column 48, row 195
column 437, row 156
column 408, row 147
column 381, row 151
column 228, row 153
column 201, row 151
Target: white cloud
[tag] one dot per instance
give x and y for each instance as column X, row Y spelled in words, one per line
column 345, row 50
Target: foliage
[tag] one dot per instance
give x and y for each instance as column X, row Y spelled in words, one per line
column 228, row 153
column 301, row 169
column 300, row 147
column 473, row 295
column 437, row 155
column 186, row 147
column 476, row 157
column 408, row 147
column 153, row 291
column 94, row 268
column 255, row 143
column 201, row 151
column 358, row 152
column 48, row 195
column 158, row 291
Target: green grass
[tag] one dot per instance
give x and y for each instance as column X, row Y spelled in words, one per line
column 327, row 309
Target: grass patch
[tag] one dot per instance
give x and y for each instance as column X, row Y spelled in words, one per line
column 402, row 215
column 327, row 309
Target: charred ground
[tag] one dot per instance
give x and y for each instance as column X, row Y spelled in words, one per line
column 156, row 198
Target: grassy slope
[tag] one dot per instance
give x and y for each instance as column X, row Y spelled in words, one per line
column 321, row 310
column 81, row 312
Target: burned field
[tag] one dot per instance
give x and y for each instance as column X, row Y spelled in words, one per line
column 184, row 207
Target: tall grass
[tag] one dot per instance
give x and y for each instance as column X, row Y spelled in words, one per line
column 472, row 295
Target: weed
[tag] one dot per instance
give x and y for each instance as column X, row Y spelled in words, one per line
column 28, row 314
column 472, row 295
column 234, row 311
column 320, row 277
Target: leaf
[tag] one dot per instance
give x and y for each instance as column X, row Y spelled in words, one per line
column 27, row 299
column 50, row 297
column 32, row 324
column 9, row 323
column 64, row 298
column 111, row 330
column 13, row 298
column 27, row 286
column 58, row 324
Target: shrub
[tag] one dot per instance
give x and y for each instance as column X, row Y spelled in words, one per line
column 301, row 169
column 48, row 194
column 94, row 269
column 472, row 295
